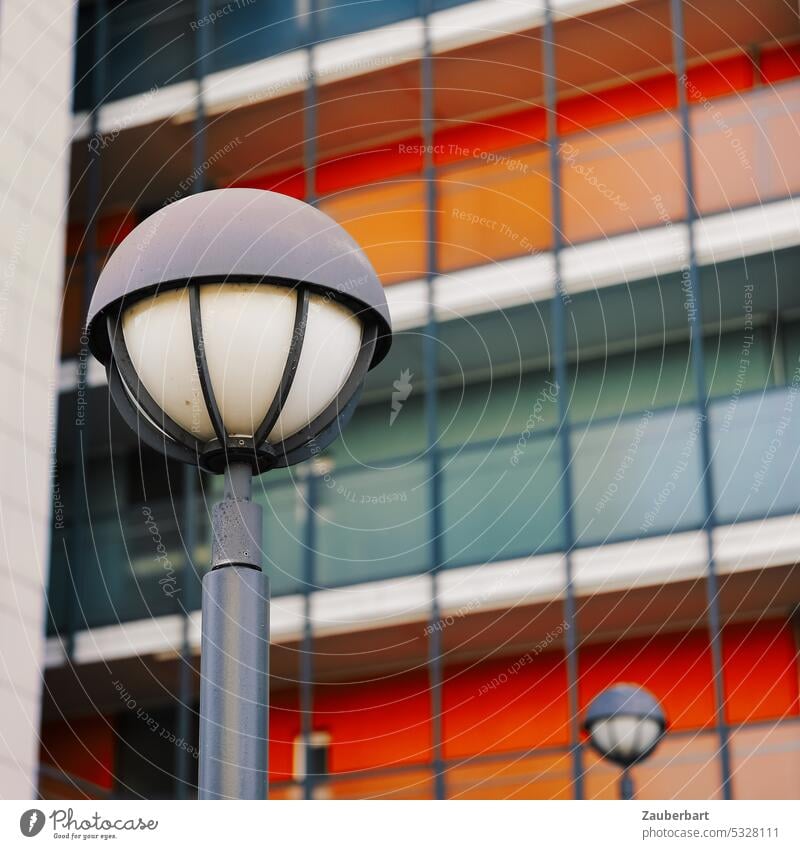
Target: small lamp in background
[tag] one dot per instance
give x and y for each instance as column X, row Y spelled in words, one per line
column 625, row 724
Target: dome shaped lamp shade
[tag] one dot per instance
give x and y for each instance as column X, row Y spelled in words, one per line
column 625, row 724
column 238, row 324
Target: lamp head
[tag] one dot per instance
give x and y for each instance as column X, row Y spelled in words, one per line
column 625, row 724
column 238, row 324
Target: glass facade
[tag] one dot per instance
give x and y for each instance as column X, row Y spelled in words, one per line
column 467, row 449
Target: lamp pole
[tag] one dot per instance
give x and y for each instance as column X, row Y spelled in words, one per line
column 626, row 785
column 237, row 327
column 234, row 651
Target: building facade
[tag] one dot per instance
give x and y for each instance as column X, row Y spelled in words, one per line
column 578, row 464
column 36, row 48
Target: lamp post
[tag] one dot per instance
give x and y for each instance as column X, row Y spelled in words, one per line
column 625, row 724
column 237, row 327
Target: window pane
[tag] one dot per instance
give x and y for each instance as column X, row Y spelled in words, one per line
column 682, row 767
column 766, row 761
column 408, row 784
column 388, row 222
column 490, row 411
column 150, row 44
column 756, row 442
column 255, row 29
column 494, row 211
column 504, row 502
column 637, row 380
column 284, row 526
column 622, row 178
column 637, row 477
column 744, row 148
column 738, row 361
column 372, row 525
column 337, row 18
column 132, row 566
column 546, row 776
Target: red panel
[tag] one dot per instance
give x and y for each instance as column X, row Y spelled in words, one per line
column 467, row 141
column 676, row 668
column 381, row 723
column 615, row 104
column 81, row 747
column 715, row 79
column 780, row 63
column 507, row 704
column 75, row 232
column 761, row 673
column 284, row 728
column 112, row 229
column 291, row 183
column 395, row 159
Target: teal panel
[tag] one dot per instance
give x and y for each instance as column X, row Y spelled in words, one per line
column 502, row 503
column 756, row 445
column 392, row 427
column 132, row 566
column 492, row 410
column 738, row 361
column 372, row 524
column 790, row 333
column 284, row 534
column 637, row 477
column 633, row 381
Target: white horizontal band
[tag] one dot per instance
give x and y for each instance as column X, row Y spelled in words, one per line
column 640, row 563
column 340, row 58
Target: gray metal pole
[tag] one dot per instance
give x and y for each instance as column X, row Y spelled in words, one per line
column 234, row 650
column 626, row 785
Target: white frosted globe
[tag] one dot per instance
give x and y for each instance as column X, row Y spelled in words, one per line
column 247, row 332
column 625, row 737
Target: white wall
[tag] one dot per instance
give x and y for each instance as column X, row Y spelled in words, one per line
column 36, row 44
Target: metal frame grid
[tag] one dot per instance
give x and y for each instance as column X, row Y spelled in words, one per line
column 560, row 302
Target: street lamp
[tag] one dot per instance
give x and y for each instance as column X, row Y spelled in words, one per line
column 237, row 327
column 625, row 724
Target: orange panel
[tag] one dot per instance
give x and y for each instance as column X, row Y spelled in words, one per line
column 402, row 258
column 728, row 141
column 545, row 776
column 470, row 140
column 676, row 668
column 494, row 211
column 381, row 723
column 388, row 222
column 682, row 767
column 504, row 705
column 627, row 177
column 766, row 761
column 780, row 63
column 412, row 784
column 761, row 672
column 81, row 747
